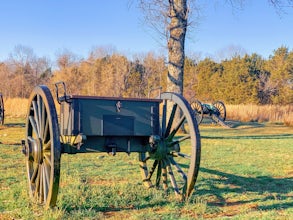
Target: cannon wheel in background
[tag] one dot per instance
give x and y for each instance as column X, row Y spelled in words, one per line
column 198, row 110
column 174, row 164
column 42, row 148
column 1, row 110
column 221, row 108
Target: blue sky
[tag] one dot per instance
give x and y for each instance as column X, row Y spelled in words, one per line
column 51, row 26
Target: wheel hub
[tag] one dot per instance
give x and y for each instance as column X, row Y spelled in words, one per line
column 36, row 150
column 159, row 147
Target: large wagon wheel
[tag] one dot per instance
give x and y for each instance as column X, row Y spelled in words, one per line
column 221, row 109
column 198, row 110
column 1, row 110
column 42, row 147
column 175, row 156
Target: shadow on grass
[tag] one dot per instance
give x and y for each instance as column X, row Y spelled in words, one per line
column 271, row 136
column 106, row 209
column 245, row 125
column 276, row 189
column 14, row 125
column 233, row 124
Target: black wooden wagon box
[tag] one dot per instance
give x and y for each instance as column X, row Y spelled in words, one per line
column 110, row 124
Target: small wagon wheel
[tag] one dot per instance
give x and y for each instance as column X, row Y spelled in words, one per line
column 42, row 147
column 175, row 157
column 221, row 108
column 1, row 110
column 198, row 110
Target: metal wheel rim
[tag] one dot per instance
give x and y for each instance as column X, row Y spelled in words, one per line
column 1, row 110
column 43, row 148
column 221, row 108
column 170, row 170
column 198, row 110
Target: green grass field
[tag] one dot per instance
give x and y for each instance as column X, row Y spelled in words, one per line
column 246, row 173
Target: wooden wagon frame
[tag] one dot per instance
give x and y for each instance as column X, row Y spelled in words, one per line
column 168, row 158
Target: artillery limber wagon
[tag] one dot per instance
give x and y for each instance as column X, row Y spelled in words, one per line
column 216, row 111
column 167, row 157
column 1, row 110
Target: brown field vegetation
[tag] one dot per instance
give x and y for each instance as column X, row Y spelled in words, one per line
column 261, row 113
column 17, row 107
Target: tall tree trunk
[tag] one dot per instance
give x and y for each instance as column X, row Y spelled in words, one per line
column 176, row 41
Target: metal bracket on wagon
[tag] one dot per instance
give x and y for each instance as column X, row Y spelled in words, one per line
column 73, row 140
column 63, row 98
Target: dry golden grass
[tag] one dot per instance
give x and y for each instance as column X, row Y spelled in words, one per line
column 264, row 113
column 17, row 107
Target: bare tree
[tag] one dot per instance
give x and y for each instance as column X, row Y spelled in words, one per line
column 66, row 58
column 171, row 19
column 27, row 69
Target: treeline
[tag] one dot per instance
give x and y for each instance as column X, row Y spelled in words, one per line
column 241, row 79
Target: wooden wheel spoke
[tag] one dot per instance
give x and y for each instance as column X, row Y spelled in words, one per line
column 164, row 117
column 47, row 146
column 47, row 158
column 34, row 125
column 30, row 139
column 171, row 119
column 164, row 175
column 40, row 107
column 177, row 127
column 172, row 178
column 36, row 116
column 159, row 173
column 178, row 168
column 186, row 137
column 37, row 185
column 41, row 189
column 178, row 141
column 46, row 180
column 155, row 164
column 43, row 120
column 35, row 173
column 179, row 154
column 144, row 169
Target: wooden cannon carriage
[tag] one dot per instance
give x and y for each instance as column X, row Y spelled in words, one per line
column 167, row 157
column 216, row 111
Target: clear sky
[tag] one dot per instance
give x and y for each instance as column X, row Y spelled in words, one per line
column 50, row 26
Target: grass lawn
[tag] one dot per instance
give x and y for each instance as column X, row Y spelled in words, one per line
column 246, row 173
